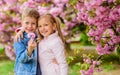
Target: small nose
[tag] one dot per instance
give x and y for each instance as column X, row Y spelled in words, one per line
column 30, row 25
column 43, row 28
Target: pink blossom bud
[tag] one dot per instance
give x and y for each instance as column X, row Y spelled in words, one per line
column 88, row 61
column 31, row 35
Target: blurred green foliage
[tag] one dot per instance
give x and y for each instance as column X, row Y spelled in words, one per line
column 82, row 29
column 1, row 49
column 73, row 2
column 75, row 61
column 75, row 70
column 108, row 67
column 113, row 58
column 6, row 67
column 2, row 52
column 84, row 40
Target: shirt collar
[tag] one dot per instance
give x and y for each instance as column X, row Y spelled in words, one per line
column 52, row 36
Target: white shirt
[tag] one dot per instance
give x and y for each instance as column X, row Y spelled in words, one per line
column 51, row 48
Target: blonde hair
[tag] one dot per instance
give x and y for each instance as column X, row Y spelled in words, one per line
column 57, row 23
column 30, row 12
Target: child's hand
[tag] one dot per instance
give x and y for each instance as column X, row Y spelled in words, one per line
column 19, row 35
column 31, row 45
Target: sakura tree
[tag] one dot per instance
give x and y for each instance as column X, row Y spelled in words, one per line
column 102, row 17
column 10, row 15
column 9, row 20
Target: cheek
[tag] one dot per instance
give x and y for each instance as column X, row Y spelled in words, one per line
column 52, row 29
column 25, row 26
column 35, row 27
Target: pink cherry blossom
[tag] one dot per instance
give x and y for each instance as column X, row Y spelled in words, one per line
column 1, row 27
column 64, row 1
column 56, row 1
column 56, row 11
column 31, row 35
column 43, row 10
column 9, row 52
column 10, row 2
column 102, row 22
column 88, row 61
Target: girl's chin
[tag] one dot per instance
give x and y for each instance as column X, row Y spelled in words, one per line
column 44, row 35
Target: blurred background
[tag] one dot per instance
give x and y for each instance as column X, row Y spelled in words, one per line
column 91, row 29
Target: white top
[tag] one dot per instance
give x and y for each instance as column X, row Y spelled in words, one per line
column 50, row 49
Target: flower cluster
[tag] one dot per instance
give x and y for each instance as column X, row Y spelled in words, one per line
column 101, row 16
column 91, row 66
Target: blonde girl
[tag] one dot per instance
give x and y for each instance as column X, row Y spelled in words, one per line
column 51, row 46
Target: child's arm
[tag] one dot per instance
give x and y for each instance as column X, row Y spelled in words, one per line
column 58, row 51
column 31, row 45
column 21, row 52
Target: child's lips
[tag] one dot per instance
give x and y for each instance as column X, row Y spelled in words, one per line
column 44, row 32
column 30, row 29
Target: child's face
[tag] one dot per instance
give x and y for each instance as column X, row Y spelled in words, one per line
column 45, row 27
column 30, row 24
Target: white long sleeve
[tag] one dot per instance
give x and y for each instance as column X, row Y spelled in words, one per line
column 58, row 50
column 52, row 48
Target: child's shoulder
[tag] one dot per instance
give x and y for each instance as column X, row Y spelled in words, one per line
column 56, row 41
